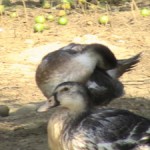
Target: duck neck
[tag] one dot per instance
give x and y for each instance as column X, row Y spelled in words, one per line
column 56, row 124
column 61, row 124
column 59, row 120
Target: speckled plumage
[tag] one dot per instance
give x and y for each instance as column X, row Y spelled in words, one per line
column 82, row 127
column 89, row 64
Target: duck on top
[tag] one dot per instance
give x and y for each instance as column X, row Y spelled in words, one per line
column 91, row 64
column 75, row 125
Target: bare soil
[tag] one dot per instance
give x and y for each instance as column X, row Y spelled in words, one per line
column 21, row 51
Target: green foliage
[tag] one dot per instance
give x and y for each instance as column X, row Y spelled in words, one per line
column 72, row 2
column 5, row 2
column 114, row 1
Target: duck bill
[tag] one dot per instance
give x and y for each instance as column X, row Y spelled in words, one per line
column 47, row 105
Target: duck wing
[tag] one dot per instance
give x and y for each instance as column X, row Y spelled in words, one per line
column 112, row 129
column 103, row 88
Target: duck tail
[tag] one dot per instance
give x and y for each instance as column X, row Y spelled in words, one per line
column 124, row 65
column 143, row 143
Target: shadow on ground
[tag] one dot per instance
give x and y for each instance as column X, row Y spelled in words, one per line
column 25, row 129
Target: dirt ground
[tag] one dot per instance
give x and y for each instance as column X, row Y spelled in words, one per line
column 21, row 51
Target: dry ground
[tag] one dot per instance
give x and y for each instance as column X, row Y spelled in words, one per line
column 21, row 51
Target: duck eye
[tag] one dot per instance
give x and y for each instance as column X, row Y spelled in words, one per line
column 65, row 89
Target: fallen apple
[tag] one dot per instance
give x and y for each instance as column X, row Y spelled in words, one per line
column 66, row 6
column 50, row 18
column 38, row 27
column 103, row 20
column 145, row 12
column 46, row 5
column 62, row 21
column 13, row 14
column 2, row 9
column 40, row 19
column 62, row 13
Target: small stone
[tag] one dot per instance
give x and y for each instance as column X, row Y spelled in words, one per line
column 4, row 111
column 29, row 42
column 120, row 41
column 1, row 29
column 89, row 23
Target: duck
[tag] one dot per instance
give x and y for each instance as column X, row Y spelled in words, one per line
column 91, row 64
column 76, row 125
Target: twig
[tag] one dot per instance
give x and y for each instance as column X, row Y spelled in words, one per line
column 145, row 81
column 134, row 7
column 13, row 87
column 25, row 10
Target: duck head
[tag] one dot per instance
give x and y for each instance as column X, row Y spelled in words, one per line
column 70, row 95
